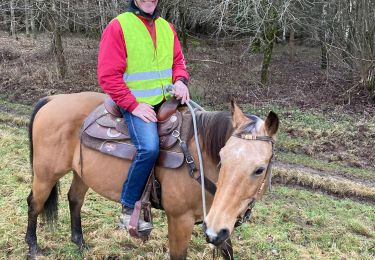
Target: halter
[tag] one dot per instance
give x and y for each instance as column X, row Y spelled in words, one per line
column 246, row 214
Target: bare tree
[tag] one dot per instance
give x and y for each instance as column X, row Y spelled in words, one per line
column 27, row 18
column 12, row 18
column 103, row 20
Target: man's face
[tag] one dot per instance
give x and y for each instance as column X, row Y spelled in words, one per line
column 147, row 6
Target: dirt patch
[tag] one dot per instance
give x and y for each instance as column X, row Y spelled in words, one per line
column 7, row 55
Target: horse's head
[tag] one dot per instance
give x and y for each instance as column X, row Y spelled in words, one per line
column 244, row 174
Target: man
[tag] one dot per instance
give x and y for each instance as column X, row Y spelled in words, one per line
column 139, row 55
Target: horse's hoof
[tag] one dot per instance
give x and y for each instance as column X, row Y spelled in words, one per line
column 80, row 243
column 34, row 252
column 83, row 247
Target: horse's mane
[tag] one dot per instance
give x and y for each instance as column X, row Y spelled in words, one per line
column 215, row 128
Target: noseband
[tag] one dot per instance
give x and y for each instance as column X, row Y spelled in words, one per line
column 246, row 214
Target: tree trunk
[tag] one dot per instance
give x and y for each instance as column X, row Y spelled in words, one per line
column 324, row 36
column 12, row 19
column 57, row 46
column 4, row 17
column 27, row 19
column 115, row 11
column 86, row 5
column 269, row 39
column 349, row 52
column 32, row 19
column 292, row 47
column 59, row 53
column 184, row 35
column 102, row 15
column 371, row 83
column 324, row 57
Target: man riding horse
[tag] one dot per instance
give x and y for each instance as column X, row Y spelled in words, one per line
column 139, row 55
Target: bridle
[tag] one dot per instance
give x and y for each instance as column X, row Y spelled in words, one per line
column 246, row 214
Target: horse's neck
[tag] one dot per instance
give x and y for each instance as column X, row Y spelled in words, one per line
column 211, row 170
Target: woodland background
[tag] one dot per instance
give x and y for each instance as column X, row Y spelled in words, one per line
column 310, row 61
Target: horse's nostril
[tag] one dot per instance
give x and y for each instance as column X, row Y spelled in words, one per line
column 223, row 234
column 217, row 238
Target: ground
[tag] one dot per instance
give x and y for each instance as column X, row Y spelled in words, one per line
column 323, row 202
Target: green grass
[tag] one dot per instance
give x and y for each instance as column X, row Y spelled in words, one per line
column 290, row 223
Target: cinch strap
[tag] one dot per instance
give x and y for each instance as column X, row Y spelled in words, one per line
column 148, row 75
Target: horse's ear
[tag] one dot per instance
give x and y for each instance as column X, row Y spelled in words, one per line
column 272, row 123
column 238, row 116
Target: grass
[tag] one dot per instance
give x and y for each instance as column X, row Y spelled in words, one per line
column 290, row 223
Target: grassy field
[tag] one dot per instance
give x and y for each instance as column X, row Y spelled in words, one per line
column 290, row 223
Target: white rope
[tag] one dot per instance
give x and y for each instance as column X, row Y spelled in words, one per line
column 190, row 105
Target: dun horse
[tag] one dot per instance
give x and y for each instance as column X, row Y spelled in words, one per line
column 55, row 151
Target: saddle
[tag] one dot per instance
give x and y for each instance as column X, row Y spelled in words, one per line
column 105, row 130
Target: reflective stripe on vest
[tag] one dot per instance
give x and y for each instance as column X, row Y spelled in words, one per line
column 148, row 75
column 148, row 69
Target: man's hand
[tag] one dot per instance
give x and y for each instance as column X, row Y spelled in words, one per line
column 181, row 92
column 145, row 112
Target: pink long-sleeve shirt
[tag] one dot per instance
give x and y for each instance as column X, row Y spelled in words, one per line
column 112, row 63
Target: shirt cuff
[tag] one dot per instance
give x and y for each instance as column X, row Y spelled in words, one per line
column 183, row 80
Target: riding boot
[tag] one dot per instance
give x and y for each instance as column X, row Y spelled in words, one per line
column 125, row 217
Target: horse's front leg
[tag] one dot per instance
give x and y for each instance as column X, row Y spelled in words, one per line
column 179, row 234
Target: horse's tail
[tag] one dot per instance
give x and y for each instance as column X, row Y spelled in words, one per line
column 51, row 205
column 41, row 103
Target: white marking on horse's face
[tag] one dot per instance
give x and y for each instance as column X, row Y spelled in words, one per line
column 211, row 233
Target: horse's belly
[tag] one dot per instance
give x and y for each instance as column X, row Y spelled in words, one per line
column 103, row 173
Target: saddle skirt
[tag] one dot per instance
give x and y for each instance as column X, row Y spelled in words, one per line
column 105, row 130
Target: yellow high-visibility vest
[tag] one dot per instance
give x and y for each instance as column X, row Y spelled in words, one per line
column 148, row 69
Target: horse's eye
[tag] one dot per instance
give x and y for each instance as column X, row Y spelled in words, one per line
column 259, row 171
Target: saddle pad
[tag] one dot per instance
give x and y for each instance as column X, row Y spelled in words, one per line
column 124, row 150
column 107, row 133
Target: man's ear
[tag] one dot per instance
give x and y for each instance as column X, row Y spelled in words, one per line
column 238, row 116
column 272, row 123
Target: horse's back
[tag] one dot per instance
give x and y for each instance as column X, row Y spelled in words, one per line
column 56, row 128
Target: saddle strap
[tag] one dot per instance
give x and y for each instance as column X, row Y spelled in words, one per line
column 208, row 184
column 188, row 158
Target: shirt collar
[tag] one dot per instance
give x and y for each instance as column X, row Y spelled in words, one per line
column 137, row 11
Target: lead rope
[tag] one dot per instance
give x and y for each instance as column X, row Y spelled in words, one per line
column 192, row 106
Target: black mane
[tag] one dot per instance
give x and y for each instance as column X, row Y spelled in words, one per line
column 214, row 130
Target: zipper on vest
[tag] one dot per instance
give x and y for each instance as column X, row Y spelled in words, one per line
column 154, row 40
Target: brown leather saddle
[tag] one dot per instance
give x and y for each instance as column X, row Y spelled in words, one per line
column 105, row 130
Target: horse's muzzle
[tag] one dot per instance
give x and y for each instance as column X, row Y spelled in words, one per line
column 215, row 238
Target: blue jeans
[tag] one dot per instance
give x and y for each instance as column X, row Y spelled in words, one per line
column 146, row 140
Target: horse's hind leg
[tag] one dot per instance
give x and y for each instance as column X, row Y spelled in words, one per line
column 44, row 194
column 76, row 197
